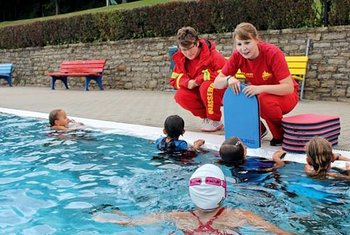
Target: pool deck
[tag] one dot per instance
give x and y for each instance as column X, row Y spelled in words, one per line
column 148, row 108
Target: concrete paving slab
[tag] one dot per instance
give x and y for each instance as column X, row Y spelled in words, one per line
column 148, row 108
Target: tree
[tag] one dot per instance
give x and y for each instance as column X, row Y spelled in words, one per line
column 57, row 7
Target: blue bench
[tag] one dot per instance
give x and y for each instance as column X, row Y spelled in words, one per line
column 6, row 72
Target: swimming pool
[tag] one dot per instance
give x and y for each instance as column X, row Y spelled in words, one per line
column 51, row 184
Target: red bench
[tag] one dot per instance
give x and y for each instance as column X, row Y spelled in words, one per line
column 90, row 69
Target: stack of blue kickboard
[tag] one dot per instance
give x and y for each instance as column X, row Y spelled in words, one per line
column 299, row 129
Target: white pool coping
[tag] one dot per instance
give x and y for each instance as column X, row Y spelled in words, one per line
column 212, row 141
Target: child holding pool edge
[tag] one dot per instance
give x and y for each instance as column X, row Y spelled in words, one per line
column 319, row 157
column 233, row 151
column 174, row 126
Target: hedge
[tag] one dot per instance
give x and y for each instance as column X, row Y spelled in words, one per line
column 207, row 16
column 340, row 12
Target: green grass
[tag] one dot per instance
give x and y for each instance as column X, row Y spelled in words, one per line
column 123, row 6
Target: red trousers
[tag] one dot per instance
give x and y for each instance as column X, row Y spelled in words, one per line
column 203, row 101
column 272, row 109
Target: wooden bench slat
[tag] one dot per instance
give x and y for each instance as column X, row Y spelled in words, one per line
column 297, row 58
column 84, row 62
column 5, row 71
column 83, row 66
column 81, row 70
column 74, row 74
column 296, row 71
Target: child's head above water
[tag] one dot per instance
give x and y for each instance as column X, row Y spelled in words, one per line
column 58, row 117
column 233, row 150
column 174, row 126
column 319, row 155
column 207, row 187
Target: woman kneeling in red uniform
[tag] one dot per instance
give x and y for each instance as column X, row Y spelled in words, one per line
column 266, row 70
column 197, row 63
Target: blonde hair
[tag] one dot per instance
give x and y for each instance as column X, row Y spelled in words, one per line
column 319, row 155
column 187, row 36
column 245, row 31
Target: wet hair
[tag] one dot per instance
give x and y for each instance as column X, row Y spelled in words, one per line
column 232, row 151
column 319, row 155
column 174, row 126
column 245, row 31
column 186, row 37
column 53, row 116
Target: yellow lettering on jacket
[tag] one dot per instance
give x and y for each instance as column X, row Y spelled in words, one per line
column 210, row 99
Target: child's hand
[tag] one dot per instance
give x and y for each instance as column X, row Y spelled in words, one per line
column 198, row 143
column 336, row 156
column 278, row 155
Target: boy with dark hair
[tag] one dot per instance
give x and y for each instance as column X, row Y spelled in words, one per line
column 174, row 126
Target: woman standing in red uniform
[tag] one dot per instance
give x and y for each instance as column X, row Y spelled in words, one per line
column 197, row 63
column 266, row 70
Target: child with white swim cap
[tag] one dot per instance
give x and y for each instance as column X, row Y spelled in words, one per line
column 207, row 188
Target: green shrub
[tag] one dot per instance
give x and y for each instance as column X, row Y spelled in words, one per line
column 340, row 12
column 207, row 16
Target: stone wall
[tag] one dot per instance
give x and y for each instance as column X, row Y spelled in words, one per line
column 144, row 63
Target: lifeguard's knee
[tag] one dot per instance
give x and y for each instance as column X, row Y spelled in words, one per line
column 182, row 96
column 270, row 107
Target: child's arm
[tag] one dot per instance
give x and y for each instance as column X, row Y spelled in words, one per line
column 149, row 219
column 344, row 173
column 128, row 221
column 338, row 156
column 277, row 158
column 259, row 222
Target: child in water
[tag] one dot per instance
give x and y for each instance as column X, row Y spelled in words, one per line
column 207, row 188
column 174, row 126
column 60, row 122
column 233, row 151
column 233, row 154
column 319, row 157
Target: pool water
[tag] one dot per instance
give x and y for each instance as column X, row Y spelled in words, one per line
column 51, row 184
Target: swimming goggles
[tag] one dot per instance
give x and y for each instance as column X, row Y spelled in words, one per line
column 208, row 180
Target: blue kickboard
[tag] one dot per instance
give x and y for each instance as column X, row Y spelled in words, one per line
column 242, row 118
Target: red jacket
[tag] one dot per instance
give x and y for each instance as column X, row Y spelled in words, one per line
column 209, row 66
